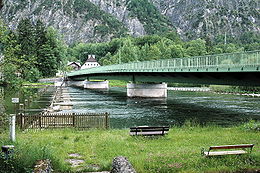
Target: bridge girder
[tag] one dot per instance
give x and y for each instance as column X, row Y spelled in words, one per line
column 220, row 78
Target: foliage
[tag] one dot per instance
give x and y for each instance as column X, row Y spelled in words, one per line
column 252, row 125
column 127, row 53
column 11, row 64
column 32, row 75
column 153, row 47
column 25, row 156
column 248, row 40
column 30, row 52
column 196, row 48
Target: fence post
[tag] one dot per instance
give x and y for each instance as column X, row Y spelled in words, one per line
column 26, row 103
column 106, row 120
column 73, row 119
column 21, row 121
column 21, row 108
column 40, row 120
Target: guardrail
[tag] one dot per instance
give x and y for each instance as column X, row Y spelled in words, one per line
column 244, row 59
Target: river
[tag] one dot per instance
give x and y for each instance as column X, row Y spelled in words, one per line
column 180, row 106
column 201, row 107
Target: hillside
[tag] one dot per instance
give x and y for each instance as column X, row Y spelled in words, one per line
column 101, row 20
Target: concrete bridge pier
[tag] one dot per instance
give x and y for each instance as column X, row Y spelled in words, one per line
column 147, row 90
column 96, row 84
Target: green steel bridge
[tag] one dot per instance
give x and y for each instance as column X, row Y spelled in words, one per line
column 224, row 69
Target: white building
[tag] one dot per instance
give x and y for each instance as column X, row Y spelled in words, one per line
column 91, row 62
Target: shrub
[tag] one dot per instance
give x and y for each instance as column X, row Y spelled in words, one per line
column 252, row 125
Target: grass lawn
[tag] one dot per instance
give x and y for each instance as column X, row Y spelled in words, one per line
column 179, row 151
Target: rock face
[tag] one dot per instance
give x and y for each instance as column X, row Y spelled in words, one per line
column 120, row 11
column 194, row 18
column 101, row 20
column 122, row 165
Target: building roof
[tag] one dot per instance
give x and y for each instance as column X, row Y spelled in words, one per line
column 76, row 63
column 91, row 59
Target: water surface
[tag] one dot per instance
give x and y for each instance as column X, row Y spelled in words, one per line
column 203, row 107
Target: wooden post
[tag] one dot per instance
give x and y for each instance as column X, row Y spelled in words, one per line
column 21, row 108
column 40, row 120
column 30, row 100
column 21, row 121
column 73, row 119
column 26, row 104
column 106, row 120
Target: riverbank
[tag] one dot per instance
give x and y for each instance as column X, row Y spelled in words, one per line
column 179, row 151
column 29, row 84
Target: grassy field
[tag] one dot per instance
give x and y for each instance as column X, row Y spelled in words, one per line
column 179, row 151
column 117, row 83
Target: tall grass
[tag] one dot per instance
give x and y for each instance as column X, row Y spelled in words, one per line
column 179, row 151
column 26, row 153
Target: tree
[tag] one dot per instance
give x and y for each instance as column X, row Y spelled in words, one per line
column 47, row 62
column 176, row 51
column 196, row 48
column 11, row 65
column 163, row 46
column 144, row 53
column 154, row 53
column 26, row 38
column 50, row 53
column 249, row 38
column 106, row 60
column 174, row 36
column 252, row 46
column 127, row 53
column 40, row 34
column 227, row 48
column 147, row 39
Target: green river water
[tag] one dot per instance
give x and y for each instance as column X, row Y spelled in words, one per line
column 202, row 107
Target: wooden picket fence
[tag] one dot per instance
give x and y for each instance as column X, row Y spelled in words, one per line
column 63, row 120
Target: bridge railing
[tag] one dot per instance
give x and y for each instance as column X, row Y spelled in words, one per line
column 223, row 60
column 231, row 60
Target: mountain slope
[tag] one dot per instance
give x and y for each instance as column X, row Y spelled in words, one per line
column 101, row 20
column 198, row 18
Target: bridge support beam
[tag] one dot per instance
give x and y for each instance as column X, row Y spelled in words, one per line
column 96, row 84
column 147, row 90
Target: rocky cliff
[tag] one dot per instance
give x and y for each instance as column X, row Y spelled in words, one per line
column 101, row 20
column 211, row 17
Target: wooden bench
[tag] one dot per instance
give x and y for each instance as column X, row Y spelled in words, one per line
column 149, row 130
column 244, row 150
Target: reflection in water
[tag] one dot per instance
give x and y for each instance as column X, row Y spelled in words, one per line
column 177, row 108
column 37, row 102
